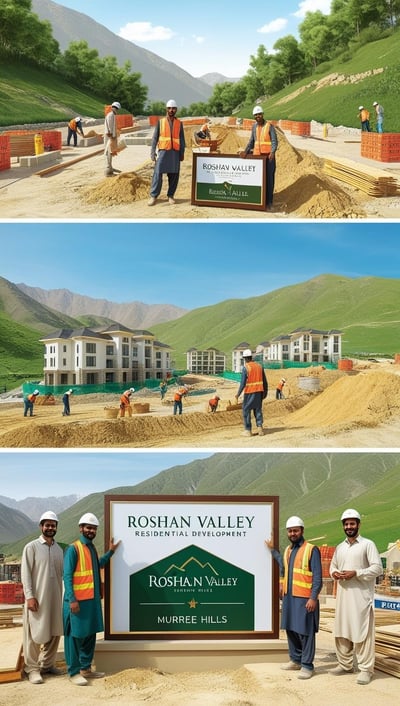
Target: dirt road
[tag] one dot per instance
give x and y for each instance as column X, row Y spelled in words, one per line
column 302, row 190
column 356, row 410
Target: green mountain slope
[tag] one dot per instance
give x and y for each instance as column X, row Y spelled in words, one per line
column 316, row 486
column 375, row 75
column 367, row 310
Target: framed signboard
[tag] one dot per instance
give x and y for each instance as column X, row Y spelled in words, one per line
column 229, row 181
column 191, row 567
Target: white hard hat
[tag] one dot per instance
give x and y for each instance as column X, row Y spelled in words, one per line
column 247, row 353
column 78, row 119
column 283, row 379
column 69, row 391
column 350, row 514
column 360, row 107
column 375, row 103
column 48, row 515
column 131, row 389
column 36, row 392
column 89, row 519
column 171, row 104
column 294, row 521
column 257, row 110
column 116, row 104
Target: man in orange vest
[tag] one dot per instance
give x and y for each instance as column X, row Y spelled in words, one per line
column 75, row 126
column 279, row 389
column 178, row 399
column 264, row 141
column 363, row 114
column 29, row 401
column 125, row 403
column 213, row 403
column 169, row 140
column 82, row 612
column 254, row 386
column 301, row 572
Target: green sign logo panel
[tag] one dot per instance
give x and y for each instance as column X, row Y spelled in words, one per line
column 191, row 589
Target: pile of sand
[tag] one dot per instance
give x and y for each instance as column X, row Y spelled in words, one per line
column 366, row 399
column 301, row 187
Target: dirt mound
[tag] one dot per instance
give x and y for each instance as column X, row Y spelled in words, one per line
column 126, row 187
column 366, row 399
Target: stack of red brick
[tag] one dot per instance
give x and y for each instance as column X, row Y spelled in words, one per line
column 382, row 147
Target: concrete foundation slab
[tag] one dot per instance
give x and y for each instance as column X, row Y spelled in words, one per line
column 41, row 160
column 186, row 655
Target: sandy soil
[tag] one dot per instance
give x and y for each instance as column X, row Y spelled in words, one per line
column 80, row 191
column 250, row 685
column 360, row 409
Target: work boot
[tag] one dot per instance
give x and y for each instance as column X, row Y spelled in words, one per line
column 78, row 680
column 151, row 201
column 290, row 666
column 92, row 674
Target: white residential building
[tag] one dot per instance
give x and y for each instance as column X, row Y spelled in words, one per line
column 304, row 345
column 208, row 362
column 104, row 355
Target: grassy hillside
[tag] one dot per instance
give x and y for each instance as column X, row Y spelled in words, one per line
column 365, row 309
column 338, row 104
column 316, row 486
column 30, row 95
column 22, row 322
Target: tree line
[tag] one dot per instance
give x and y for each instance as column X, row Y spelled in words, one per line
column 350, row 24
column 24, row 37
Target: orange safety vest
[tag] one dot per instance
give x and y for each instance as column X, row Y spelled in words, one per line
column 72, row 125
column 169, row 138
column 254, row 381
column 179, row 394
column 83, row 578
column 302, row 575
column 32, row 398
column 262, row 144
column 125, row 400
column 280, row 385
column 364, row 115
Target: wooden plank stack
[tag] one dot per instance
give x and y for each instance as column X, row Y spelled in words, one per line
column 372, row 180
column 387, row 649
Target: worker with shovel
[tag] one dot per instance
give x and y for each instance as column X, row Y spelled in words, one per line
column 254, row 386
column 125, row 403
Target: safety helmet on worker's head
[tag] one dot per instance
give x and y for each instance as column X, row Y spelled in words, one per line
column 36, row 392
column 257, row 110
column 294, row 521
column 247, row 353
column 171, row 103
column 78, row 119
column 89, row 519
column 283, row 379
column 48, row 515
column 70, row 391
column 116, row 105
column 350, row 514
column 375, row 103
column 131, row 389
column 360, row 107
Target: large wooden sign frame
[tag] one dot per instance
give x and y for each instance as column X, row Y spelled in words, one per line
column 191, row 567
column 229, row 181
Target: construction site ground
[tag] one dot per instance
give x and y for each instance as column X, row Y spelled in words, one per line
column 356, row 409
column 302, row 190
column 252, row 684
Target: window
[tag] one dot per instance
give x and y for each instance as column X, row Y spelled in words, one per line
column 134, row 351
column 109, row 350
column 125, row 339
column 158, row 355
column 90, row 361
column 336, row 344
column 90, row 348
column 125, row 350
column 64, row 362
column 64, row 379
column 64, row 349
column 109, row 363
column 109, row 377
column 125, row 362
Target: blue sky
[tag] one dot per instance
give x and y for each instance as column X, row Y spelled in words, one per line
column 192, row 264
column 201, row 37
column 43, row 474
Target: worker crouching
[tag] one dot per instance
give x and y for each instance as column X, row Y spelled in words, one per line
column 125, row 403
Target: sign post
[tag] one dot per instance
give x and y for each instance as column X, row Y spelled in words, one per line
column 229, row 181
column 191, row 567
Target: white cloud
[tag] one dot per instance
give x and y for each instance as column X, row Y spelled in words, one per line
column 274, row 26
column 145, row 32
column 198, row 39
column 323, row 6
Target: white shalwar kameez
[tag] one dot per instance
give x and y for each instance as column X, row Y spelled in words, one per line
column 41, row 576
column 354, row 627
